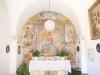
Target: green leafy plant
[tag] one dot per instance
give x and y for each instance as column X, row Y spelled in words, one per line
column 36, row 53
column 63, row 53
column 22, row 70
column 75, row 72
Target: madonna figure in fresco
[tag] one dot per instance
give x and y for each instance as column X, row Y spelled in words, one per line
column 49, row 48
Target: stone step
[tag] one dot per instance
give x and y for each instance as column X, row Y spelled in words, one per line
column 85, row 74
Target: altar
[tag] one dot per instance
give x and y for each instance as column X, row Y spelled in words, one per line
column 61, row 67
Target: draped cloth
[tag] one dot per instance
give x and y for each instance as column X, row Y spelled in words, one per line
column 39, row 67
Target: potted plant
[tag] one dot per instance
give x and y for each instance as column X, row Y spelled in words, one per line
column 63, row 53
column 36, row 54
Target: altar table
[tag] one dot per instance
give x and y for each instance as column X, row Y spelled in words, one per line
column 61, row 66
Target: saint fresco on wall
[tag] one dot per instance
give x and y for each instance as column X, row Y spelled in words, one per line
column 28, row 36
column 94, row 14
column 71, row 35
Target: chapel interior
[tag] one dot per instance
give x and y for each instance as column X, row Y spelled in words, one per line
column 49, row 37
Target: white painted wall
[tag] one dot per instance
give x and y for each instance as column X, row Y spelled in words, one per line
column 21, row 10
column 4, row 39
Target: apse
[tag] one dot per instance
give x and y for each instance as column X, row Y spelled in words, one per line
column 48, row 40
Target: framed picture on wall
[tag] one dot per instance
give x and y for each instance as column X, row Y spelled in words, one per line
column 94, row 17
column 7, row 48
column 19, row 49
column 98, row 47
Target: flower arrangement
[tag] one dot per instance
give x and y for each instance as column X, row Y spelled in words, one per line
column 36, row 53
column 63, row 53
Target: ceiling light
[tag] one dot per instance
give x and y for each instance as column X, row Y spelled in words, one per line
column 49, row 25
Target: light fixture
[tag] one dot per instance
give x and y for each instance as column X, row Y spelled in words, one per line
column 49, row 24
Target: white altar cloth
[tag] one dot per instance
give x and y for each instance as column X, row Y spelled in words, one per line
column 49, row 65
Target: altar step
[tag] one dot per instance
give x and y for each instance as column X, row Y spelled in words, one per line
column 85, row 74
column 82, row 74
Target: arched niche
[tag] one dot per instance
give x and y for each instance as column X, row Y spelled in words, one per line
column 62, row 8
column 37, row 7
column 34, row 36
column 35, row 26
